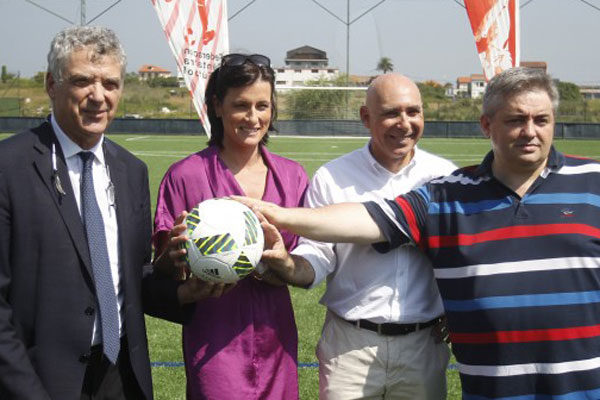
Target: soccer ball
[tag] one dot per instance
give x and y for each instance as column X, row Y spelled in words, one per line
column 225, row 240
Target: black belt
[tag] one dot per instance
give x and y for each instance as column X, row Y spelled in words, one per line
column 390, row 329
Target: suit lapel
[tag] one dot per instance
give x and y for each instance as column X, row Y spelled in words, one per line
column 66, row 204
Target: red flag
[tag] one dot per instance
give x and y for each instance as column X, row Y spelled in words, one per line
column 495, row 25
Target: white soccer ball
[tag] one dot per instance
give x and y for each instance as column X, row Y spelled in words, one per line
column 225, row 240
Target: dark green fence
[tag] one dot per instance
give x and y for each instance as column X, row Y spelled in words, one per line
column 433, row 129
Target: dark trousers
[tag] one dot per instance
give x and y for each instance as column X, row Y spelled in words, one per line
column 105, row 381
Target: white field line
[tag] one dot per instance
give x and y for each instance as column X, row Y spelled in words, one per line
column 131, row 139
column 202, row 138
column 298, row 156
column 176, row 154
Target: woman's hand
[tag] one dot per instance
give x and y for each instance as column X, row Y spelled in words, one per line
column 172, row 259
column 282, row 266
column 273, row 244
column 275, row 256
column 195, row 289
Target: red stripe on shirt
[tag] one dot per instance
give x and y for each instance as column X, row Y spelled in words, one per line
column 580, row 157
column 513, row 232
column 535, row 335
column 410, row 218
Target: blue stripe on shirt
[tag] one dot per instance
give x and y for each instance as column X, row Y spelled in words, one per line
column 563, row 198
column 424, row 192
column 581, row 395
column 469, row 208
column 527, row 300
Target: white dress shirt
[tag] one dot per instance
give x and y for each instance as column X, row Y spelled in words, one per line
column 397, row 286
column 102, row 182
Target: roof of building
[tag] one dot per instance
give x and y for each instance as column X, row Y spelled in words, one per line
column 152, row 68
column 463, row 79
column 477, row 77
column 306, row 53
column 534, row 64
column 589, row 88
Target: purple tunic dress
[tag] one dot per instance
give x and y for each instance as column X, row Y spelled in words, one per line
column 243, row 345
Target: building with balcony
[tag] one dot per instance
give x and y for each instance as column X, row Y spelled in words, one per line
column 148, row 72
column 304, row 64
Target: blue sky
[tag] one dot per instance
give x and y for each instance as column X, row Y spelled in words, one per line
column 426, row 39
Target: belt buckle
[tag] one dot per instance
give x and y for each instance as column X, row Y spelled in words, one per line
column 379, row 329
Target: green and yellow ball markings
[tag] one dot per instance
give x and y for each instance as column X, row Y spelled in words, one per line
column 192, row 220
column 215, row 244
column 243, row 266
column 251, row 228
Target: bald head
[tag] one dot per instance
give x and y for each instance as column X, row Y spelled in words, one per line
column 393, row 113
column 387, row 84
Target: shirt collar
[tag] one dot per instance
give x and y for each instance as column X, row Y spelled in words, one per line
column 70, row 148
column 378, row 167
column 555, row 161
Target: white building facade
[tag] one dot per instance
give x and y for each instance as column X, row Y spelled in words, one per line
column 302, row 65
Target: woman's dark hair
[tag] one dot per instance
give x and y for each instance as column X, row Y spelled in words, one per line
column 235, row 76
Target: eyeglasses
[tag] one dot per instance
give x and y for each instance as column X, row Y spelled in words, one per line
column 236, row 59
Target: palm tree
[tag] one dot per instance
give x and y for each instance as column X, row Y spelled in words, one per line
column 385, row 65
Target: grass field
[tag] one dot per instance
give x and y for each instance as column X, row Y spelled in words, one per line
column 161, row 151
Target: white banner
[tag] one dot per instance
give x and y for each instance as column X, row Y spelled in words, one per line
column 198, row 36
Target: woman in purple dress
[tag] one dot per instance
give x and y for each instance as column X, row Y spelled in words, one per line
column 243, row 344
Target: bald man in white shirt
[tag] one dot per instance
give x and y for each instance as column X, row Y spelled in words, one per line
column 377, row 339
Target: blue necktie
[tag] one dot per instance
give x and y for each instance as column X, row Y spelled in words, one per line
column 105, row 292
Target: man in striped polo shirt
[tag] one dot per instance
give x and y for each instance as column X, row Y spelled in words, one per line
column 515, row 245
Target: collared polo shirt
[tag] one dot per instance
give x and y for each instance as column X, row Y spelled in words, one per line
column 519, row 277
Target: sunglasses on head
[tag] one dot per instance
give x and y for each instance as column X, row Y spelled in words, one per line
column 236, row 59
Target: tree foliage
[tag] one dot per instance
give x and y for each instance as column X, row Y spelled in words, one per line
column 39, row 78
column 311, row 104
column 431, row 90
column 385, row 65
column 569, row 91
column 6, row 76
column 132, row 78
column 161, row 81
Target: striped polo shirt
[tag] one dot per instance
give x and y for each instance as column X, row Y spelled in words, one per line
column 519, row 277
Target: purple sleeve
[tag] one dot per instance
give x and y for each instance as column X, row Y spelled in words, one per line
column 302, row 189
column 167, row 204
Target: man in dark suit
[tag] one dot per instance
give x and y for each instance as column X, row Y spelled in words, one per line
column 74, row 283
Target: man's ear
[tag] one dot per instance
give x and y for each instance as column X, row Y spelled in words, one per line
column 50, row 84
column 364, row 116
column 485, row 123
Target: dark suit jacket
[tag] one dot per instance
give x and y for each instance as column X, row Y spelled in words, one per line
column 47, row 296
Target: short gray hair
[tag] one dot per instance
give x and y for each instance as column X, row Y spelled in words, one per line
column 515, row 81
column 102, row 41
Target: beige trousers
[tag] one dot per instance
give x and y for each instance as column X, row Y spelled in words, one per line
column 357, row 363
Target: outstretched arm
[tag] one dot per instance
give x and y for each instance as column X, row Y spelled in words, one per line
column 337, row 223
